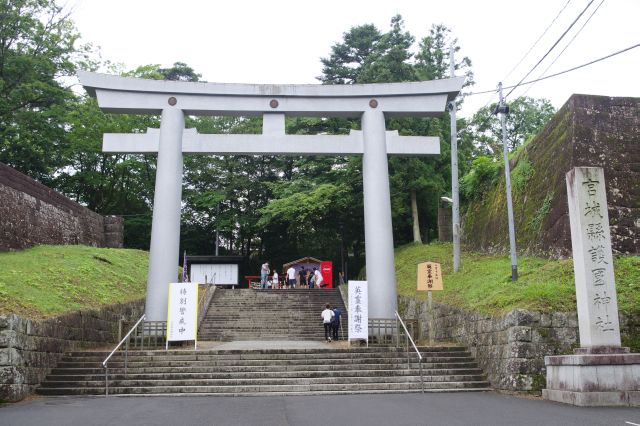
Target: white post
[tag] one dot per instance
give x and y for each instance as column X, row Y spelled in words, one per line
column 165, row 226
column 592, row 258
column 455, row 207
column 377, row 216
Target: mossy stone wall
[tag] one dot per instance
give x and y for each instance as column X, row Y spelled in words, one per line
column 595, row 131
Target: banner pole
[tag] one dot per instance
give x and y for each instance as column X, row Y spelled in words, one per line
column 430, row 304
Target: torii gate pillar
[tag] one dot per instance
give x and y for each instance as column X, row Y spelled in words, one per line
column 378, row 229
column 370, row 102
column 165, row 224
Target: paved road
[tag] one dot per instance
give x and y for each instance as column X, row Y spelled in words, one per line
column 446, row 409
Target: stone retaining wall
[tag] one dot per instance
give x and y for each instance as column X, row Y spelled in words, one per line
column 29, row 349
column 509, row 348
column 588, row 131
column 34, row 214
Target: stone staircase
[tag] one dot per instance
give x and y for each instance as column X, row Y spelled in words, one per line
column 291, row 315
column 267, row 372
column 278, row 314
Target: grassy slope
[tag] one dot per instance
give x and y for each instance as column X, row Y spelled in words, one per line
column 484, row 282
column 50, row 280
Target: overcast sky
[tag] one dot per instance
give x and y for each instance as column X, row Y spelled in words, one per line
column 282, row 41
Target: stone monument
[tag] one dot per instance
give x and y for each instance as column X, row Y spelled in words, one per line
column 600, row 372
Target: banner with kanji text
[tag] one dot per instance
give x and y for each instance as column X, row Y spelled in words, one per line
column 182, row 318
column 358, row 310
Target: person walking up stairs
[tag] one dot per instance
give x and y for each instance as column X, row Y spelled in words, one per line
column 327, row 319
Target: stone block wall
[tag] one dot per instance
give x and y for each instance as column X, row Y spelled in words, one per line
column 32, row 214
column 588, row 131
column 30, row 349
column 509, row 348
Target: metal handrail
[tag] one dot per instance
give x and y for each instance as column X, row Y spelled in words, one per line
column 409, row 338
column 106, row 360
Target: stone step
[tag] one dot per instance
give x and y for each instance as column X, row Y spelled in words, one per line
column 264, row 374
column 266, row 389
column 275, row 321
column 161, row 356
column 260, row 381
column 306, row 393
column 275, row 314
column 204, row 368
column 262, row 362
column 325, row 350
column 267, row 315
column 285, row 325
column 263, row 330
column 227, row 331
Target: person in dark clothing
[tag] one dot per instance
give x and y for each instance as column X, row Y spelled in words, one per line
column 335, row 325
column 303, row 277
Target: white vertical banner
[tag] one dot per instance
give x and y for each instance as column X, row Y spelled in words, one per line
column 182, row 318
column 358, row 310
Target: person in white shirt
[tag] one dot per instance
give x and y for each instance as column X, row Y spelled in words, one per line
column 264, row 274
column 291, row 277
column 317, row 277
column 274, row 280
column 327, row 318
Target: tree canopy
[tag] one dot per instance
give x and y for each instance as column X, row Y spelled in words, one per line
column 37, row 49
column 526, row 117
column 264, row 207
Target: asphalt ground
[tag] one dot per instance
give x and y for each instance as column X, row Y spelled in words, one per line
column 450, row 409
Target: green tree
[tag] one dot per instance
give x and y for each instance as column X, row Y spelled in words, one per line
column 433, row 61
column 526, row 117
column 37, row 48
column 348, row 57
column 389, row 61
column 433, row 58
column 121, row 184
column 365, row 56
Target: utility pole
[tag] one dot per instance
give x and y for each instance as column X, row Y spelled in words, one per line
column 217, row 221
column 455, row 205
column 503, row 110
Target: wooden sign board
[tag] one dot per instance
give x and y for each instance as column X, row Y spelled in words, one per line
column 429, row 276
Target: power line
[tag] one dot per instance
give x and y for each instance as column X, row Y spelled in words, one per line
column 565, row 48
column 491, row 98
column 579, row 66
column 536, row 42
column 561, row 72
column 552, row 47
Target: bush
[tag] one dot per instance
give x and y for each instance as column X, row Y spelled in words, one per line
column 521, row 173
column 483, row 174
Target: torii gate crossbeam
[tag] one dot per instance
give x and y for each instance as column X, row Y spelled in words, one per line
column 173, row 100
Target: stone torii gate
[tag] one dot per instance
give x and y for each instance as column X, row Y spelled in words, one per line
column 173, row 100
